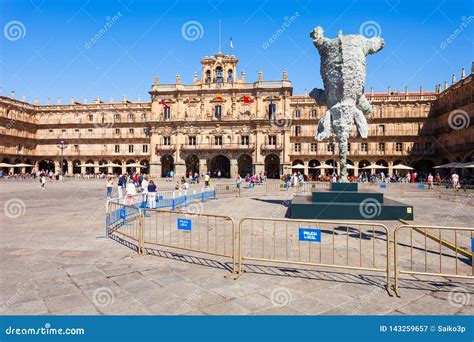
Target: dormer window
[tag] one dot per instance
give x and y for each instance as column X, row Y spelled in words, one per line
column 208, row 76
column 229, row 76
column 219, row 75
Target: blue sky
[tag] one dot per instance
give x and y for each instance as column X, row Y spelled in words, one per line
column 43, row 49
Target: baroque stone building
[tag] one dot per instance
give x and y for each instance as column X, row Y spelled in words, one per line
column 222, row 122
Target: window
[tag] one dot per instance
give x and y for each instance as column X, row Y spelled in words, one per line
column 219, row 75
column 145, row 148
column 50, row 131
column 117, row 117
column 348, row 147
column 364, row 147
column 144, row 116
column 297, row 147
column 399, row 147
column 131, row 117
column 167, row 113
column 117, row 148
column 245, row 140
column 382, row 147
column 271, row 110
column 76, row 148
column 117, row 131
column 218, row 112
column 272, row 140
column 192, row 141
column 428, row 145
column 130, row 148
column 89, row 130
column 130, row 130
column 167, row 141
column 381, row 129
column 208, row 76
column 63, row 130
column 91, row 118
column 416, row 146
column 18, row 147
column 313, row 113
column 314, row 147
column 297, row 113
column 76, row 130
column 330, row 147
column 218, row 140
column 145, row 131
column 297, row 131
column 229, row 76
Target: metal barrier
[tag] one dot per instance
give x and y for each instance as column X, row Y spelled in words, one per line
column 195, row 232
column 126, row 221
column 347, row 245
column 429, row 252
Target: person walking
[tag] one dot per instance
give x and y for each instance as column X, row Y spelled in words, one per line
column 151, row 195
column 144, row 188
column 122, row 181
column 109, row 184
column 455, row 181
column 43, row 181
column 206, row 180
column 130, row 191
column 430, row 181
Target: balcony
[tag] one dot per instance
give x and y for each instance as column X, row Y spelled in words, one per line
column 163, row 147
column 271, row 147
column 224, row 146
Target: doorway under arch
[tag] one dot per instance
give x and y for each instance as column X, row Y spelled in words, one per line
column 220, row 163
column 192, row 164
column 272, row 166
column 167, row 164
column 245, row 165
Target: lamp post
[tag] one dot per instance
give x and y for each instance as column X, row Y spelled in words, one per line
column 62, row 145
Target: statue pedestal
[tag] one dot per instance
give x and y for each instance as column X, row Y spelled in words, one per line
column 344, row 202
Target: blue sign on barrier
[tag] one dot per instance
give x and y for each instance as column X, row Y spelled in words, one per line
column 184, row 224
column 160, row 197
column 383, row 186
column 421, row 186
column 311, row 235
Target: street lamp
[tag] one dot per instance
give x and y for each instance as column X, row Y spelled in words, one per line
column 62, row 145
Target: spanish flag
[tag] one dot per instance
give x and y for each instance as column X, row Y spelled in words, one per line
column 218, row 97
column 247, row 99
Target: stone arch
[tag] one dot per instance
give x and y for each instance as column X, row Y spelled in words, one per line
column 167, row 165
column 192, row 164
column 245, row 166
column 313, row 173
column 272, row 166
column 103, row 169
column 145, row 169
column 117, row 169
column 219, row 163
column 75, row 166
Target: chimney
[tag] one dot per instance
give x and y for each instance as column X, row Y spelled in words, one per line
column 48, row 101
column 243, row 75
column 195, row 77
column 85, row 100
column 463, row 73
column 285, row 75
column 472, row 68
column 36, row 101
column 406, row 90
column 139, row 98
column 58, row 102
column 23, row 98
column 453, row 79
column 421, row 90
column 178, row 79
column 12, row 94
column 260, row 75
column 155, row 80
column 371, row 90
column 72, row 100
column 445, row 84
column 388, row 90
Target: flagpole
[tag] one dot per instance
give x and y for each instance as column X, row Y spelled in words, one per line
column 219, row 36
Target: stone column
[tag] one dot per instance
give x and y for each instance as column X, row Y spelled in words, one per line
column 202, row 167
column 234, row 168
column 96, row 168
column 57, row 166
column 155, row 170
column 124, row 167
column 180, row 169
column 390, row 168
column 70, row 167
column 356, row 170
column 306, row 167
column 259, row 168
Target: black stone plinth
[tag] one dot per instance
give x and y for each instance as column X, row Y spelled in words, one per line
column 344, row 202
